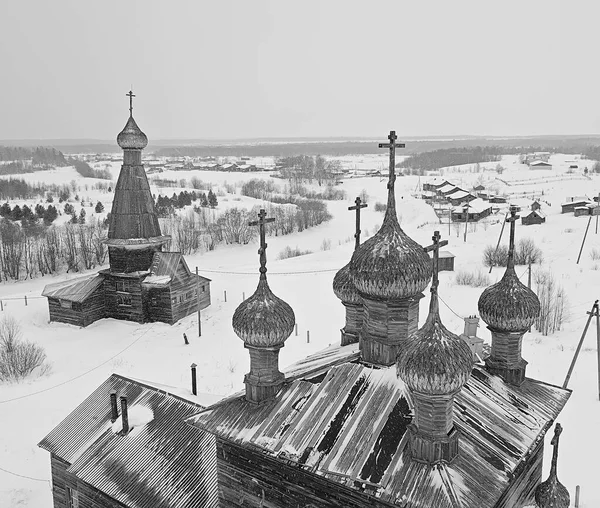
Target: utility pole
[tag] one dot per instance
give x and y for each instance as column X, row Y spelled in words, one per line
column 499, row 239
column 584, row 237
column 466, row 210
column 198, row 302
column 591, row 314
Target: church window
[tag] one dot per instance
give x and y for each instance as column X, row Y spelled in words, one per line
column 123, row 300
column 123, row 285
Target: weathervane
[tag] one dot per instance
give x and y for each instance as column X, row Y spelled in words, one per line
column 262, row 251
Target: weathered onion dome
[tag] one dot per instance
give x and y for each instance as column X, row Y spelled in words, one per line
column 263, row 320
column 552, row 493
column 131, row 137
column 344, row 287
column 435, row 361
column 509, row 305
column 390, row 264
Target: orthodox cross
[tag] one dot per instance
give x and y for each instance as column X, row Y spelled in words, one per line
column 262, row 220
column 357, row 207
column 435, row 247
column 392, row 145
column 554, row 443
column 511, row 245
column 131, row 96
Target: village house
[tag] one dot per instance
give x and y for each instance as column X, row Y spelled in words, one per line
column 477, row 209
column 538, row 164
column 142, row 283
column 569, row 206
column 460, row 197
column 534, row 217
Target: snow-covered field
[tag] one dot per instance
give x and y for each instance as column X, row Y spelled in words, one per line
column 82, row 358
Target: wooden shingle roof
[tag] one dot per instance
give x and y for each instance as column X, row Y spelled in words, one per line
column 74, row 290
column 164, row 463
column 348, row 423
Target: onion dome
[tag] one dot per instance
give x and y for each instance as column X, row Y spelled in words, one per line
column 509, row 305
column 435, row 361
column 131, row 137
column 263, row 320
column 344, row 287
column 390, row 264
column 552, row 493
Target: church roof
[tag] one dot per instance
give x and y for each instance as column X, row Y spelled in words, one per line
column 74, row 290
column 347, row 422
column 132, row 137
column 164, row 463
column 164, row 267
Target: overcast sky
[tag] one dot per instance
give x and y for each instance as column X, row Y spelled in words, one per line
column 240, row 69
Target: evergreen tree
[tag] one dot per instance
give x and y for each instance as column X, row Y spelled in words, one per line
column 40, row 211
column 5, row 210
column 82, row 215
column 69, row 210
column 212, row 199
column 99, row 207
column 16, row 213
column 50, row 215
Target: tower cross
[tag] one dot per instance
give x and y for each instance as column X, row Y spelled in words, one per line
column 511, row 245
column 435, row 247
column 131, row 96
column 392, row 145
column 357, row 207
column 554, row 443
column 262, row 251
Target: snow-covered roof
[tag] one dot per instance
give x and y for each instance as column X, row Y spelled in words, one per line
column 159, row 452
column 477, row 205
column 348, row 422
column 74, row 290
column 539, row 163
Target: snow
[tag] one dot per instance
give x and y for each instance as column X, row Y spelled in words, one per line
column 138, row 416
column 83, row 358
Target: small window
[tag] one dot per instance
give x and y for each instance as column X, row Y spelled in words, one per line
column 188, row 295
column 174, row 299
column 123, row 300
column 180, row 298
column 154, row 302
column 72, row 498
column 204, row 289
column 66, row 304
column 123, row 285
column 195, row 292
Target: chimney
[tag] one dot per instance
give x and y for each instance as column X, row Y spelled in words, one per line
column 471, row 325
column 194, row 386
column 114, row 410
column 124, row 415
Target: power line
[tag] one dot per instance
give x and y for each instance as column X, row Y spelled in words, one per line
column 23, row 476
column 451, row 310
column 78, row 376
column 272, row 273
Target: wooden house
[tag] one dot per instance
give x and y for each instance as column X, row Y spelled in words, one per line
column 497, row 199
column 536, row 205
column 477, row 210
column 460, row 197
column 435, row 185
column 76, row 301
column 446, row 261
column 479, row 188
column 128, row 289
column 569, row 207
column 539, row 164
column 533, row 217
column 154, row 460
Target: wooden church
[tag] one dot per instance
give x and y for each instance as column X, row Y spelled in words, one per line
column 400, row 416
column 143, row 283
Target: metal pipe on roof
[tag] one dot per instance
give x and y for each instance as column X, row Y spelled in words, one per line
column 114, row 410
column 124, row 415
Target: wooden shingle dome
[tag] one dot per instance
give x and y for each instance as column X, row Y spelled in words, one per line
column 435, row 361
column 390, row 264
column 263, row 320
column 132, row 137
column 509, row 305
column 552, row 493
column 344, row 287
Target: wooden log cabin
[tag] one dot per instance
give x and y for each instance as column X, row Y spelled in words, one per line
column 143, row 283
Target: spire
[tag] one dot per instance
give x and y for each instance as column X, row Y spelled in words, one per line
column 435, row 365
column 263, row 322
column 552, row 493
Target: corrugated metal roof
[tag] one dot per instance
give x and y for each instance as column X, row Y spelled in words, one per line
column 164, row 463
column 349, row 425
column 74, row 290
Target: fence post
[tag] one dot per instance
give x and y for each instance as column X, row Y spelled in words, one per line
column 25, row 300
column 225, row 295
column 577, row 496
column 243, row 296
column 2, row 308
column 296, row 328
column 307, row 336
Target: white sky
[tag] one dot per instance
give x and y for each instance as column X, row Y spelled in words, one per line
column 233, row 69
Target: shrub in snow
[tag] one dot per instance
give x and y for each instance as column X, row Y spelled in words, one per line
column 553, row 303
column 18, row 358
column 326, row 244
column 595, row 254
column 288, row 252
column 473, row 279
column 525, row 252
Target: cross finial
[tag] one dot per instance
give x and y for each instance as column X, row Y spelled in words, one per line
column 557, row 432
column 392, row 145
column 262, row 251
column 131, row 96
column 511, row 245
column 357, row 207
column 435, row 247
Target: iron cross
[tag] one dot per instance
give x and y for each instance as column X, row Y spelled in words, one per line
column 357, row 207
column 262, row 251
column 131, row 96
column 392, row 145
column 511, row 245
column 435, row 247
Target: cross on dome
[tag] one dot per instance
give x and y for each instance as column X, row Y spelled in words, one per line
column 357, row 207
column 262, row 251
column 511, row 245
column 435, row 247
column 131, row 96
column 392, row 145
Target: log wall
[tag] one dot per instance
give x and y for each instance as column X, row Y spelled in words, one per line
column 133, row 312
column 183, row 299
column 250, row 479
column 80, row 314
column 127, row 261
